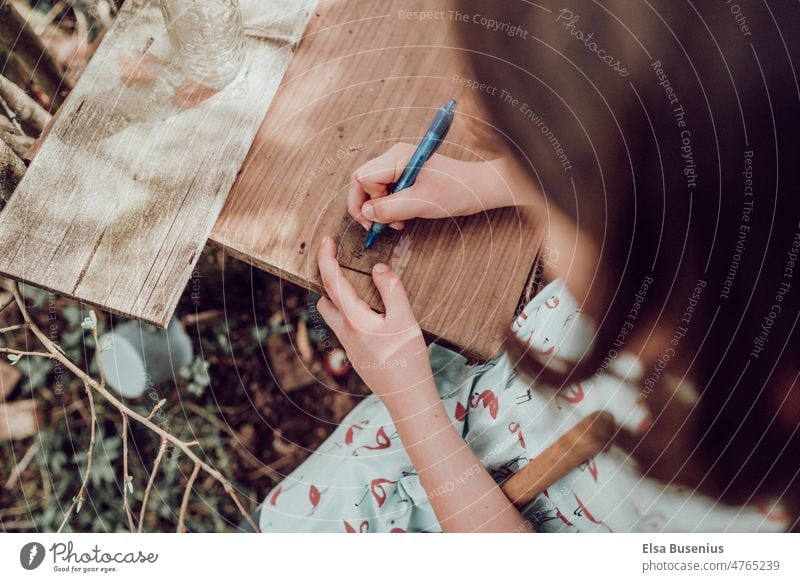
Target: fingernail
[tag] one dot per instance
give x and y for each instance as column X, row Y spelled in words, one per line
column 395, row 225
column 380, row 268
column 326, row 239
column 367, row 211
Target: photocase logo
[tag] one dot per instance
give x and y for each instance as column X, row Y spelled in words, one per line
column 31, row 555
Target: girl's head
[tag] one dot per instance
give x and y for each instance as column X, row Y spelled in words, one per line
column 667, row 132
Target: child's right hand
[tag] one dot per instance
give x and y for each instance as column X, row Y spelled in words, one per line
column 444, row 188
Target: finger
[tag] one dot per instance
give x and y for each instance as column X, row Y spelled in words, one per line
column 399, row 207
column 375, row 175
column 356, row 196
column 392, row 292
column 339, row 289
column 330, row 314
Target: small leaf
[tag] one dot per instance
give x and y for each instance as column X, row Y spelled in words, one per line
column 14, row 358
column 129, row 484
column 91, row 321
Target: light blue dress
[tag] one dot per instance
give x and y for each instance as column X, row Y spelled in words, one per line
column 362, row 480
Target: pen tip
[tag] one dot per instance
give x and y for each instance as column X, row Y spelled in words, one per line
column 451, row 105
column 371, row 236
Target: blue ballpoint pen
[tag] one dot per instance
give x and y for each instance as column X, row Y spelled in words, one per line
column 427, row 147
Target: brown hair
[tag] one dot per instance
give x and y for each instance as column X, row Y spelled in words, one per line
column 678, row 124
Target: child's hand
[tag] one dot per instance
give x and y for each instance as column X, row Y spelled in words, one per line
column 444, row 188
column 388, row 351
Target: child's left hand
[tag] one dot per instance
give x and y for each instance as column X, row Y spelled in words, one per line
column 387, row 351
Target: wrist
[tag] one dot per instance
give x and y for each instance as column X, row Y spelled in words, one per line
column 509, row 185
column 492, row 186
column 412, row 402
column 497, row 190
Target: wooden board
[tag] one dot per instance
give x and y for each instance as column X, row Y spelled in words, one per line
column 124, row 190
column 365, row 77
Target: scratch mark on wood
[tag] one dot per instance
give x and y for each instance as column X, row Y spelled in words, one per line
column 88, row 262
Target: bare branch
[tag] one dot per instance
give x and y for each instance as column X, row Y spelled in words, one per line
column 12, row 169
column 56, row 353
column 20, row 45
column 156, row 465
column 19, row 144
column 78, row 500
column 125, row 476
column 21, row 353
column 13, row 328
column 185, row 501
column 156, row 408
column 5, row 302
column 22, row 106
column 22, row 465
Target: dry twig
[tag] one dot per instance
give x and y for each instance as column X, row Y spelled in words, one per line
column 27, row 56
column 19, row 144
column 22, row 107
column 12, row 169
column 78, row 500
column 185, row 501
column 22, row 465
column 156, row 466
column 54, row 352
column 126, row 478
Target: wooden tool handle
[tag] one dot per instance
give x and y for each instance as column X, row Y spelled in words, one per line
column 583, row 441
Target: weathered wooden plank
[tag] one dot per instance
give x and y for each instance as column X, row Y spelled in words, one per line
column 124, row 190
column 366, row 77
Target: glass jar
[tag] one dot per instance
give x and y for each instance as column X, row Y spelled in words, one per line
column 208, row 37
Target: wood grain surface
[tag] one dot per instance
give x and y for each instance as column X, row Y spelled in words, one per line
column 367, row 75
column 125, row 188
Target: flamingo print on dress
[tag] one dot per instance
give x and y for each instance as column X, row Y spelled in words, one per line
column 571, row 394
column 591, row 466
column 582, row 510
column 350, row 434
column 487, row 398
column 362, row 528
column 381, row 492
column 559, row 515
column 382, row 441
column 378, row 492
column 516, row 429
column 273, row 498
column 489, row 401
column 314, row 496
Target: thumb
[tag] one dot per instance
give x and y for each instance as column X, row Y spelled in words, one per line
column 392, row 292
column 401, row 206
